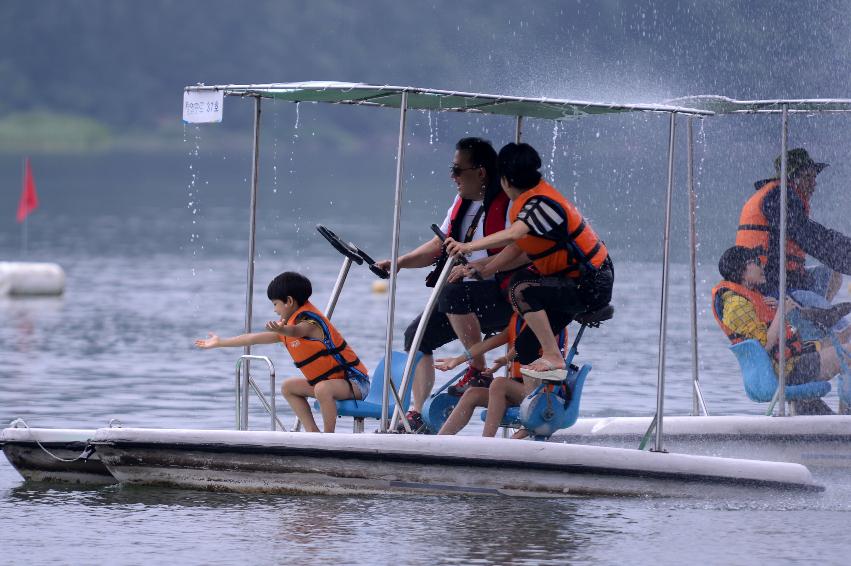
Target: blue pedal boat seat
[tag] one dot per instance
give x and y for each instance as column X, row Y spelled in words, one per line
column 760, row 380
column 511, row 418
column 370, row 408
column 575, row 380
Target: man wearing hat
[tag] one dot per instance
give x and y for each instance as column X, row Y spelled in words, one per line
column 759, row 228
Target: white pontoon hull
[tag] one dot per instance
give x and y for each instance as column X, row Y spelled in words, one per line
column 24, row 453
column 280, row 462
column 814, row 441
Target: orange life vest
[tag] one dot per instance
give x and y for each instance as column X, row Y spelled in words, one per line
column 515, row 326
column 320, row 359
column 755, row 230
column 764, row 312
column 578, row 248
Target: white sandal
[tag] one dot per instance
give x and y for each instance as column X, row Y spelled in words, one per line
column 555, row 374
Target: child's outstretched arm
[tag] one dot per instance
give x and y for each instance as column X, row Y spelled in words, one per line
column 445, row 364
column 214, row 341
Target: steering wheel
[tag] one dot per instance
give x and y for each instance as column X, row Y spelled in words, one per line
column 351, row 251
column 348, row 250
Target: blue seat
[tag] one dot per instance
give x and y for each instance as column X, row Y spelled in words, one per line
column 511, row 418
column 575, row 380
column 760, row 380
column 370, row 408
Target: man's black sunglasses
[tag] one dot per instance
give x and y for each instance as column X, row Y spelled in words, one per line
column 456, row 170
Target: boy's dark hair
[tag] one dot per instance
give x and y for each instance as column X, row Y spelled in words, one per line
column 519, row 163
column 290, row 284
column 482, row 154
column 734, row 261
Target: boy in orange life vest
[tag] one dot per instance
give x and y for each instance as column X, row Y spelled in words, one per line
column 743, row 312
column 332, row 370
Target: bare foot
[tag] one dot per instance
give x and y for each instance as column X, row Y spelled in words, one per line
column 545, row 363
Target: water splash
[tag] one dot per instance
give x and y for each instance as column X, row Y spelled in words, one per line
column 294, row 207
column 275, row 151
column 193, row 190
column 551, row 167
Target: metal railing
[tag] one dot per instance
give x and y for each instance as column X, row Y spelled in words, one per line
column 243, row 382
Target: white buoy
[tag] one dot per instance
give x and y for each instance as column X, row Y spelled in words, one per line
column 29, row 278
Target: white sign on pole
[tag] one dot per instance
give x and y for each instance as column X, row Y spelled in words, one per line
column 202, row 106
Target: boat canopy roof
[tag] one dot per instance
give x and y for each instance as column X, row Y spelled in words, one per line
column 438, row 100
column 723, row 105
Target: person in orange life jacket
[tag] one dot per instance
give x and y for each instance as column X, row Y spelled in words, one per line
column 503, row 392
column 332, row 370
column 466, row 306
column 759, row 227
column 573, row 271
column 743, row 313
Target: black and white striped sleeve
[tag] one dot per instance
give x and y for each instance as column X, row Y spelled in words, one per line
column 542, row 216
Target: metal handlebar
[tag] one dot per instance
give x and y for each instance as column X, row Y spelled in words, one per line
column 243, row 381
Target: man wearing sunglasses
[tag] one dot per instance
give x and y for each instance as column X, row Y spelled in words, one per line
column 467, row 305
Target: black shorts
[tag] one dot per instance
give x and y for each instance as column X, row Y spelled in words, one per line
column 526, row 345
column 806, row 369
column 480, row 297
column 532, row 292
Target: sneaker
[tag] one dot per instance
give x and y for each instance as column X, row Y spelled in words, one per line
column 415, row 419
column 472, row 378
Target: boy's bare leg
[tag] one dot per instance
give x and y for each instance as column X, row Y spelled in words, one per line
column 295, row 391
column 328, row 392
column 469, row 331
column 423, row 382
column 463, row 411
column 502, row 391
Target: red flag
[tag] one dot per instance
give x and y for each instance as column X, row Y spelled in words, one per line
column 29, row 200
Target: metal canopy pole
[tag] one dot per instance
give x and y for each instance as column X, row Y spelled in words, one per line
column 252, row 230
column 338, row 287
column 663, row 319
column 697, row 397
column 418, row 339
column 394, row 261
column 781, row 292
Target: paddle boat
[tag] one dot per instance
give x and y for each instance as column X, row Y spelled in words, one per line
column 823, row 441
column 279, row 461
column 53, row 455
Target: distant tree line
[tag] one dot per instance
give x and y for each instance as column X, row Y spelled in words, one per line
column 123, row 63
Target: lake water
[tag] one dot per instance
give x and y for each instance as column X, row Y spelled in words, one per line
column 153, row 263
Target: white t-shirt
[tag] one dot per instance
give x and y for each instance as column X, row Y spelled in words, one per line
column 465, row 225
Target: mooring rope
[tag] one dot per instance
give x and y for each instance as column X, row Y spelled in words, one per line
column 83, row 455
